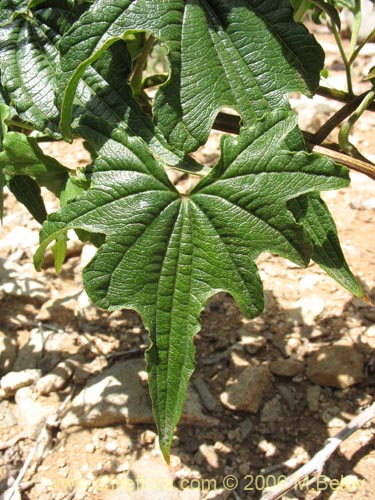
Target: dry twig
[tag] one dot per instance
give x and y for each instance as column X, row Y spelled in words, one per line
column 315, row 466
column 41, row 445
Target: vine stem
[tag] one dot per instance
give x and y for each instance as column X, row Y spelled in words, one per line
column 346, row 127
column 348, row 70
column 315, row 466
column 137, row 75
column 356, row 26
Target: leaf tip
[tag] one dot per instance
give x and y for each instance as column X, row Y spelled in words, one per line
column 165, row 449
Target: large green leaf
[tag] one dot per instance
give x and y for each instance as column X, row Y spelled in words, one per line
column 30, row 63
column 166, row 253
column 28, row 73
column 245, row 54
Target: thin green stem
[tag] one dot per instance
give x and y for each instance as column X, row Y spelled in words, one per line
column 360, row 46
column 348, row 70
column 346, row 127
column 22, row 125
column 137, row 75
column 356, row 26
column 299, row 14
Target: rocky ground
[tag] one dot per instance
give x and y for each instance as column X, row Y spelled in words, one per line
column 265, row 395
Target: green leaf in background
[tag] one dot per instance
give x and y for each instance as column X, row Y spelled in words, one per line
column 166, row 253
column 329, row 9
column 246, row 55
column 27, row 191
column 28, row 66
column 23, row 156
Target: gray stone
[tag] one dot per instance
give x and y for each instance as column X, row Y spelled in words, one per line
column 155, row 481
column 13, row 381
column 118, row 395
column 114, row 396
column 286, row 367
column 251, row 341
column 31, row 353
column 272, row 410
column 33, row 411
column 306, row 310
column 339, row 365
column 207, row 453
column 247, row 393
column 55, row 380
column 21, row 281
column 312, row 396
column 246, row 427
column 7, row 418
column 368, row 338
column 8, row 352
column 207, row 398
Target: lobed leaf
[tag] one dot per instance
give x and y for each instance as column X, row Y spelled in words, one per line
column 166, row 253
column 244, row 54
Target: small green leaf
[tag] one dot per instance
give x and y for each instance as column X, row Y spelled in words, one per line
column 23, row 156
column 165, row 253
column 27, row 192
column 59, row 251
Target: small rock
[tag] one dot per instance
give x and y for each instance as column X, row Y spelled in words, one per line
column 86, row 308
column 55, row 380
column 272, row 411
column 246, row 428
column 207, row 398
column 237, row 356
column 288, row 394
column 338, row 365
column 306, row 310
column 286, row 367
column 31, row 353
column 207, row 453
column 7, row 418
column 8, row 352
column 247, row 393
column 20, row 281
column 147, row 437
column 114, row 396
column 59, row 346
column 253, row 342
column 13, row 381
column 312, row 396
column 32, row 412
column 215, row 358
column 18, row 238
column 369, row 337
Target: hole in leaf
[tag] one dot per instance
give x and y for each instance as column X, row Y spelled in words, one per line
column 150, row 67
